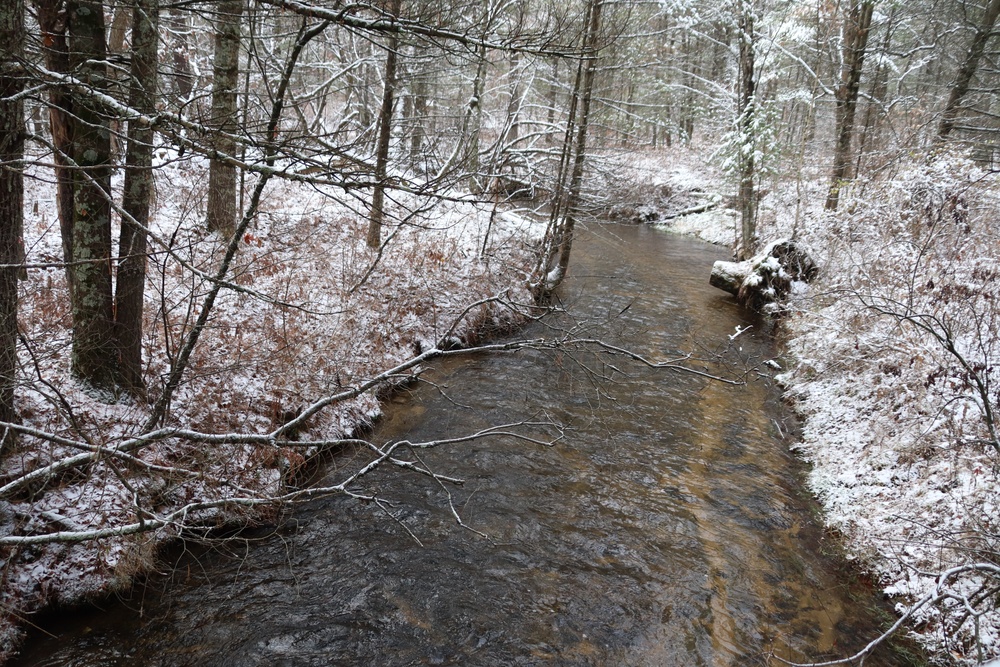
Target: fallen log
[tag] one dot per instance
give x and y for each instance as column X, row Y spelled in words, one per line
column 764, row 281
column 701, row 208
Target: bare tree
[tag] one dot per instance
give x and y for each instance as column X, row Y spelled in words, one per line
column 857, row 25
column 562, row 221
column 384, row 132
column 963, row 81
column 55, row 49
column 745, row 128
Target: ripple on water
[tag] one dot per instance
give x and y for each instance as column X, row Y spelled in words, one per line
column 663, row 529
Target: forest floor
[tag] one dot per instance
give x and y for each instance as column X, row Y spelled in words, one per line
column 311, row 313
column 894, row 362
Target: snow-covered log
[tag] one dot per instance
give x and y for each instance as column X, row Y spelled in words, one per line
column 729, row 276
column 767, row 278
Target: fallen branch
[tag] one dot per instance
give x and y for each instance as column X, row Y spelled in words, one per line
column 700, row 208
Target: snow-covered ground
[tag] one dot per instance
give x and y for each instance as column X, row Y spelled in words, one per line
column 895, row 351
column 311, row 313
column 896, row 357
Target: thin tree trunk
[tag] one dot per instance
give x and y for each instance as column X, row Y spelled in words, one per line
column 12, row 133
column 93, row 357
column 183, row 76
column 584, row 91
column 116, row 45
column 514, row 106
column 384, row 134
column 963, row 81
column 221, row 213
column 475, row 124
column 137, row 192
column 856, row 30
column 119, row 26
column 419, row 119
column 745, row 129
column 56, row 52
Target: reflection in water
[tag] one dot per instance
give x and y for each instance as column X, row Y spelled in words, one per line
column 665, row 528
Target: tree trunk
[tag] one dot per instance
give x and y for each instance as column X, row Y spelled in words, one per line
column 93, row 357
column 745, row 126
column 221, row 214
column 384, row 134
column 553, row 98
column 475, row 124
column 12, row 133
column 963, row 81
column 856, row 30
column 116, row 46
column 419, row 118
column 582, row 94
column 514, row 105
column 137, row 191
column 183, row 76
column 56, row 52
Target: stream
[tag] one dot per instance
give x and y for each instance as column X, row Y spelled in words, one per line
column 668, row 525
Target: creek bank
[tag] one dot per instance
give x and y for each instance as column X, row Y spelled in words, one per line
column 653, row 533
column 316, row 315
column 891, row 430
column 764, row 282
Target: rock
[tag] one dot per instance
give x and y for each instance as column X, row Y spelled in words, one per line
column 765, row 280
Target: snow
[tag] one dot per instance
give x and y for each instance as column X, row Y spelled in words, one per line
column 890, row 426
column 892, row 423
column 316, row 312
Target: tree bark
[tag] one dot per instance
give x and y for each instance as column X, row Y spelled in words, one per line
column 221, row 213
column 475, row 124
column 137, row 192
column 116, row 45
column 418, row 119
column 12, row 133
column 745, row 128
column 514, row 105
column 384, row 134
column 56, row 51
column 856, row 29
column 93, row 357
column 963, row 81
column 183, row 77
column 583, row 92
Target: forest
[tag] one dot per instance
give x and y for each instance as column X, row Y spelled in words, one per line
column 228, row 228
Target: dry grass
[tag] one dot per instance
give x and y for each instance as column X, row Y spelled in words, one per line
column 323, row 313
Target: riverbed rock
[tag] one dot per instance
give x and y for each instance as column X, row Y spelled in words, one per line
column 764, row 281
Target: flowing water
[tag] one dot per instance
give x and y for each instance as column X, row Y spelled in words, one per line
column 666, row 527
